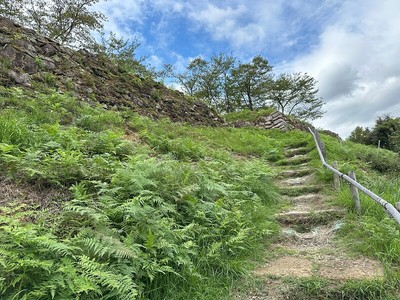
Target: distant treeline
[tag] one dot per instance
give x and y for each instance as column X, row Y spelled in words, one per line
column 385, row 133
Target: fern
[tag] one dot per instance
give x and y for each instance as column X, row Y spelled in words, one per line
column 118, row 284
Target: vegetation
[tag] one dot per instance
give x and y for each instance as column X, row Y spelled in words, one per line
column 152, row 220
column 158, row 210
column 174, row 214
column 385, row 134
column 372, row 233
column 296, row 95
column 66, row 21
column 222, row 81
column 230, row 85
column 122, row 52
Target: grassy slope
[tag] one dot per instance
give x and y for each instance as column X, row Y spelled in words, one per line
column 377, row 169
column 157, row 209
column 144, row 210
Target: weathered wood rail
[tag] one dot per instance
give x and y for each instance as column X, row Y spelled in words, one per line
column 354, row 185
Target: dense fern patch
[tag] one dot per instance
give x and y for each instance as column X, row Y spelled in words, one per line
column 148, row 220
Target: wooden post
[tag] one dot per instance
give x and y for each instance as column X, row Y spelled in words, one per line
column 323, row 149
column 354, row 193
column 320, row 143
column 336, row 181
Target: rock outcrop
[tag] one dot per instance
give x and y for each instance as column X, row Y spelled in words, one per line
column 276, row 120
column 29, row 59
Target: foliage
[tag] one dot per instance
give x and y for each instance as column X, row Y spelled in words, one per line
column 248, row 115
column 122, row 52
column 316, row 288
column 251, row 81
column 385, row 131
column 385, row 134
column 225, row 83
column 296, row 94
column 66, row 21
column 360, row 135
column 372, row 233
column 173, row 215
column 141, row 222
column 230, row 85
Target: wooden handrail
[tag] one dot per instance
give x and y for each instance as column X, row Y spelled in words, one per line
column 386, row 205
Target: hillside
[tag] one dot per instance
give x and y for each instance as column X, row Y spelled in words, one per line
column 99, row 203
column 29, row 60
column 121, row 203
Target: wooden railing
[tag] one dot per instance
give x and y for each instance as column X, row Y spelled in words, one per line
column 354, row 185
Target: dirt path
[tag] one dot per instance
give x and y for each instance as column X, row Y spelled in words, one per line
column 306, row 248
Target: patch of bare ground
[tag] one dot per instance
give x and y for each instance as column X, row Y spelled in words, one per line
column 132, row 136
column 311, row 261
column 286, row 266
column 12, row 193
column 343, row 268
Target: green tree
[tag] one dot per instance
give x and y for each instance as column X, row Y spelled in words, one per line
column 385, row 132
column 394, row 140
column 250, row 82
column 296, row 94
column 123, row 53
column 11, row 9
column 66, row 21
column 190, row 79
column 360, row 135
column 209, row 80
column 222, row 68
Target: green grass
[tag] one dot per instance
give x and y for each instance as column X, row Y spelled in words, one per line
column 248, row 115
column 176, row 212
column 316, row 288
column 174, row 216
column 372, row 233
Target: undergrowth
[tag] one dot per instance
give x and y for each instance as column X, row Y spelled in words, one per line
column 248, row 115
column 372, row 233
column 173, row 212
column 173, row 217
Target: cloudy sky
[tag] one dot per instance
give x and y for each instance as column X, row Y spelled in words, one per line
column 352, row 47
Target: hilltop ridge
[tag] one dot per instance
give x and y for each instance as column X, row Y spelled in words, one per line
column 29, row 59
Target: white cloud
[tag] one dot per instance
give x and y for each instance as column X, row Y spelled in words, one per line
column 120, row 16
column 224, row 23
column 350, row 46
column 357, row 66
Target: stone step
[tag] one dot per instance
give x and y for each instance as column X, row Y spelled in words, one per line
column 331, row 267
column 311, row 238
column 309, row 202
column 296, row 181
column 300, row 217
column 295, row 191
column 299, row 172
column 296, row 151
column 294, row 160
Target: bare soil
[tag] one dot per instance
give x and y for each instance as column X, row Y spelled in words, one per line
column 31, row 195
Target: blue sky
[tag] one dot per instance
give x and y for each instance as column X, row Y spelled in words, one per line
column 352, row 47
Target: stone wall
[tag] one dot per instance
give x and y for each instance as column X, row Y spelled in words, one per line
column 29, row 60
column 276, row 120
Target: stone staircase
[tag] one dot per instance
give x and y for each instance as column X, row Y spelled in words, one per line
column 306, row 247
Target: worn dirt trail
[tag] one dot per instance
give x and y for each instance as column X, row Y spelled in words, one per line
column 306, row 246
